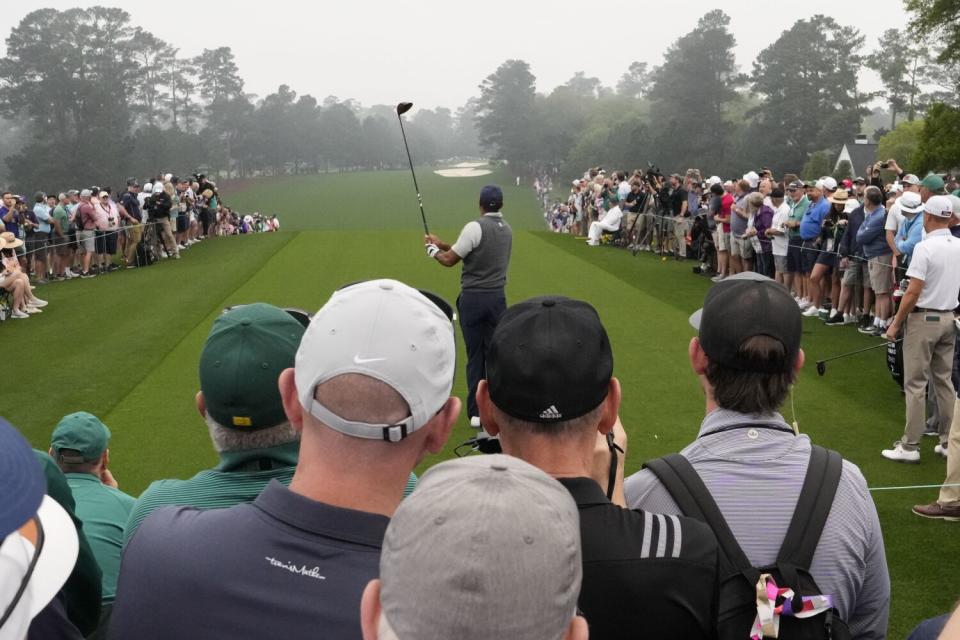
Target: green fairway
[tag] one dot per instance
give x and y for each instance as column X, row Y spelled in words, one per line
column 125, row 346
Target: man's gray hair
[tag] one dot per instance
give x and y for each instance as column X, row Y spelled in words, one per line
column 226, row 440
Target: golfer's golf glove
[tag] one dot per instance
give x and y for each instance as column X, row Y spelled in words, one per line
column 432, row 250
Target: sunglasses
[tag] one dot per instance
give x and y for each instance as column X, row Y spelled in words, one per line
column 26, row 576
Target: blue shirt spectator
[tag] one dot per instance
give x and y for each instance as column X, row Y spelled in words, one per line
column 909, row 234
column 42, row 213
column 872, row 236
column 813, row 219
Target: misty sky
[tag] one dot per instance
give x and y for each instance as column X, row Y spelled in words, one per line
column 436, row 52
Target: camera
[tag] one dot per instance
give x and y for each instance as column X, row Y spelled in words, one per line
column 884, row 165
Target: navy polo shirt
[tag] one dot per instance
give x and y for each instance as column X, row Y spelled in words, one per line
column 283, row 566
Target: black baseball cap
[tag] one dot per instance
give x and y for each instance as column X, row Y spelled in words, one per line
column 549, row 360
column 132, row 182
column 743, row 306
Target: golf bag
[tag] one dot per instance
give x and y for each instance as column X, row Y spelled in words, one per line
column 895, row 361
column 701, row 240
column 147, row 247
column 741, row 606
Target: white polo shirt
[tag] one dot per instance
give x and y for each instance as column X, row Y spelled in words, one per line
column 936, row 261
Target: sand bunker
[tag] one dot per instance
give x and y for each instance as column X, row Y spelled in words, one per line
column 463, row 172
column 469, row 165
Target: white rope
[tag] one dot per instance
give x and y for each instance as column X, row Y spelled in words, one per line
column 913, row 486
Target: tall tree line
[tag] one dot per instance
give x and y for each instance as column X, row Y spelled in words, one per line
column 799, row 102
column 88, row 97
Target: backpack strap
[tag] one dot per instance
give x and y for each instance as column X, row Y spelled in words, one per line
column 683, row 483
column 813, row 507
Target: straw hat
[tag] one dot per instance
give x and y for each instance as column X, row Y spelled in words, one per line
column 840, row 196
column 10, row 241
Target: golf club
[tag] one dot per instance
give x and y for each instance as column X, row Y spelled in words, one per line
column 822, row 364
column 402, row 108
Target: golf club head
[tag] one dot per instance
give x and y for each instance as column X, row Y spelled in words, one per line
column 403, row 107
column 821, row 368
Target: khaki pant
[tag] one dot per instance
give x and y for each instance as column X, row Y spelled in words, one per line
column 950, row 496
column 928, row 344
column 164, row 234
column 680, row 228
column 134, row 234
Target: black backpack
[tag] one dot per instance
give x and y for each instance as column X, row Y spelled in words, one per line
column 737, row 608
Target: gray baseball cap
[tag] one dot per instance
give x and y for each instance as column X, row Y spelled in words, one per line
column 486, row 547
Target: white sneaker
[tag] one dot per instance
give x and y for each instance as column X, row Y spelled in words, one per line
column 718, row 278
column 940, row 450
column 899, row 454
column 811, row 312
column 19, row 315
column 33, row 310
column 849, row 318
column 804, row 304
column 475, row 422
column 37, row 302
column 70, row 274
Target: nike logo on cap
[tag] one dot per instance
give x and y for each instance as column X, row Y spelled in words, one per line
column 358, row 360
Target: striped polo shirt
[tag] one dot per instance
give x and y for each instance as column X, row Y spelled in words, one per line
column 754, row 467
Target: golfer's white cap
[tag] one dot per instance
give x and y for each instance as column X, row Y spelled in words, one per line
column 388, row 331
column 57, row 556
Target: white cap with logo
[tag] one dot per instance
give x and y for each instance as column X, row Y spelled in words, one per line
column 390, row 332
column 939, row 206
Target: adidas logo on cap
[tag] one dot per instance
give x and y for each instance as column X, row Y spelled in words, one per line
column 551, row 413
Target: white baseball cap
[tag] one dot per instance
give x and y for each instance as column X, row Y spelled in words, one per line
column 148, row 187
column 827, row 183
column 712, row 180
column 158, row 188
column 390, row 332
column 956, row 205
column 910, row 179
column 939, row 206
column 752, row 178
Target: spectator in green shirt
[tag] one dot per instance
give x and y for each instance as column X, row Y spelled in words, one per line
column 79, row 446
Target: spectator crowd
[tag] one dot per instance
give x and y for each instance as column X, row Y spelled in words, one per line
column 94, row 231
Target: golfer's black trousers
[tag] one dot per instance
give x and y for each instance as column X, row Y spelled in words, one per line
column 479, row 313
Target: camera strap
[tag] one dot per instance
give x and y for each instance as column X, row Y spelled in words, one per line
column 612, row 478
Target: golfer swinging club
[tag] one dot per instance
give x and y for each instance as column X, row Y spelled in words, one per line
column 484, row 246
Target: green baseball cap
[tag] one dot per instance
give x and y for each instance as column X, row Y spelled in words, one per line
column 932, row 182
column 81, row 432
column 240, row 364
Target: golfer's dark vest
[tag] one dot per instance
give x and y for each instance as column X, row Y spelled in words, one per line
column 485, row 268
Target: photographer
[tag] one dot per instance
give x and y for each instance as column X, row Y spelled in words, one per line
column 158, row 209
column 678, row 205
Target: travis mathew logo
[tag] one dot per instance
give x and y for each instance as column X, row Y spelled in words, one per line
column 300, row 570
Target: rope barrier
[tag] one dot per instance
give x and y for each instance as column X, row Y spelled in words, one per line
column 914, row 486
